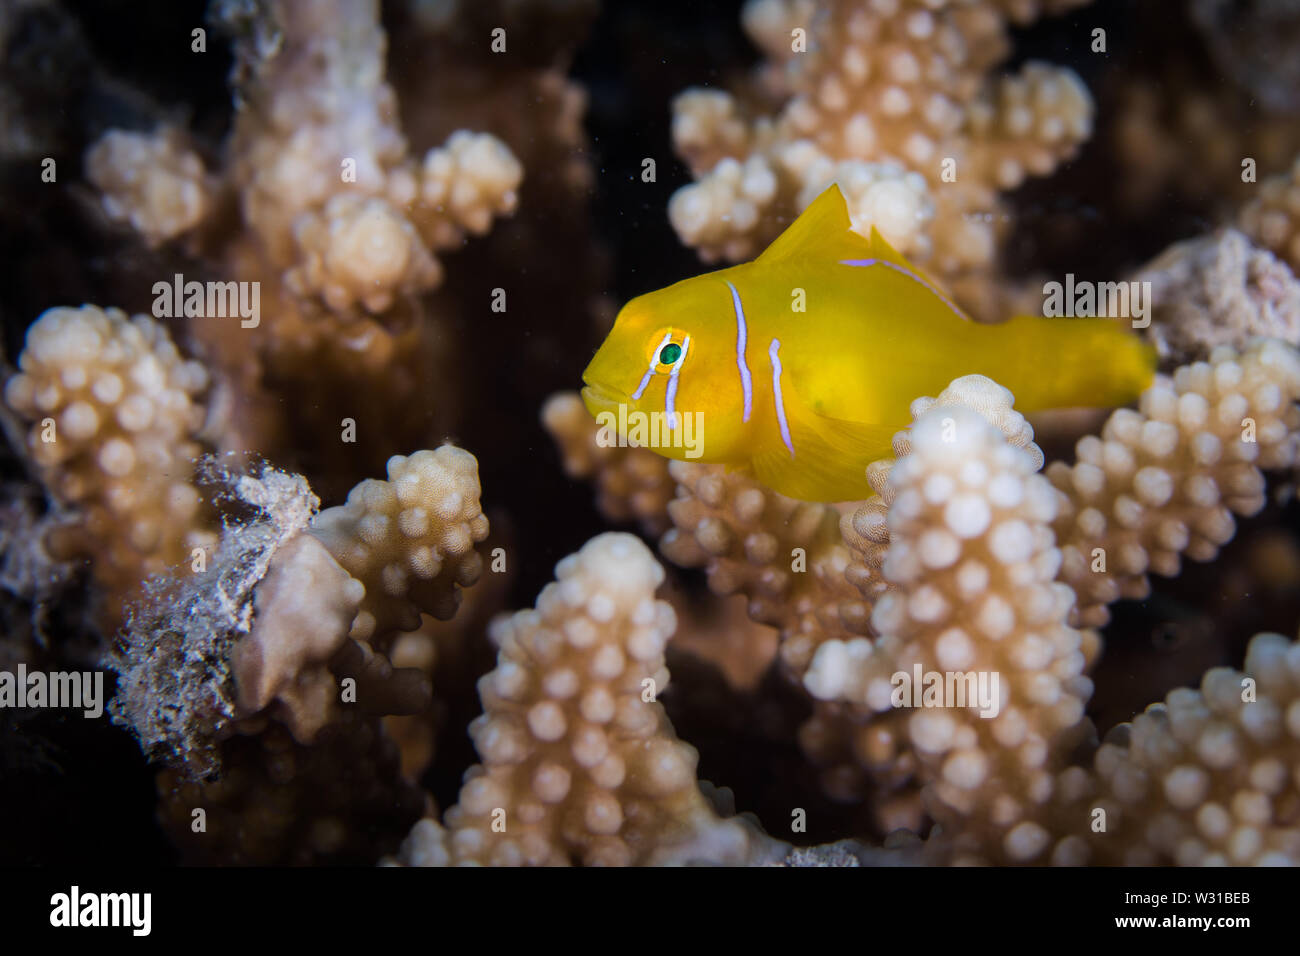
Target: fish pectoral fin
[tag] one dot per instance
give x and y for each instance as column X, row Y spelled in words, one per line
column 830, row 459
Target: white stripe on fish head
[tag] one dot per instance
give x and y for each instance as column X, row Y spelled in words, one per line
column 670, row 394
column 654, row 356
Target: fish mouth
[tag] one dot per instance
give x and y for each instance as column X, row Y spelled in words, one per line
column 601, row 398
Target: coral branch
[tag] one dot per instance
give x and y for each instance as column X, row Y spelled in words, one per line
column 1206, row 778
column 410, row 540
column 580, row 763
column 115, row 413
column 1166, row 480
column 785, row 556
column 892, row 101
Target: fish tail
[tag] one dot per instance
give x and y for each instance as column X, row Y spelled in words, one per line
column 1067, row 362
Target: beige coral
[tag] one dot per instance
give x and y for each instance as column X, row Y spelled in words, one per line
column 1272, row 219
column 971, row 569
column 410, row 540
column 360, row 249
column 341, row 799
column 324, row 174
column 371, row 249
column 1158, row 482
column 1218, row 290
column 334, row 593
column 152, row 181
column 866, row 528
column 580, row 763
column 115, row 411
column 1166, row 480
column 890, row 95
column 1208, row 776
column 785, row 556
column 632, row 484
column 303, row 610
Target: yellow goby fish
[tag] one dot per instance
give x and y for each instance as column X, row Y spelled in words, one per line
column 720, row 368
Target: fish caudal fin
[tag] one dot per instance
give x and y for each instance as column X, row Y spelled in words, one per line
column 1070, row 362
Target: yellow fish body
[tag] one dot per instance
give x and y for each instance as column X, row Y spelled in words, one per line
column 723, row 368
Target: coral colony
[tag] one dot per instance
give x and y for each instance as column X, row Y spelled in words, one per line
column 281, row 510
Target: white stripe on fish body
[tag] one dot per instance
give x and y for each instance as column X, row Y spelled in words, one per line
column 742, row 337
column 776, row 394
column 670, row 395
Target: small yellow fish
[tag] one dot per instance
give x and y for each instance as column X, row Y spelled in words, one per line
column 722, row 368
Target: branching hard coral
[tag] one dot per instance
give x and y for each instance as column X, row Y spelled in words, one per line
column 152, row 181
column 1158, row 482
column 891, row 99
column 273, row 625
column 1208, row 776
column 278, row 802
column 410, row 540
column 35, row 584
column 1272, row 219
column 864, row 755
column 297, row 671
column 236, row 673
column 177, row 679
column 722, row 633
column 971, row 567
column 580, row 763
column 322, row 166
column 632, row 484
column 450, row 656
column 1218, row 290
column 337, row 229
column 333, row 596
column 303, row 609
column 114, row 411
column 369, row 249
column 1181, row 109
column 866, row 529
column 785, row 556
column 1166, row 480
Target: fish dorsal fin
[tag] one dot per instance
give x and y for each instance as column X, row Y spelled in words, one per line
column 881, row 249
column 822, row 232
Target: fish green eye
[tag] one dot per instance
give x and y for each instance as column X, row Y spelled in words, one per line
column 670, row 353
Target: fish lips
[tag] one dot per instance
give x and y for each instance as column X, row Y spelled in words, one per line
column 600, row 398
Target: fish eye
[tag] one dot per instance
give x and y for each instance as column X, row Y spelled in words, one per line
column 667, row 349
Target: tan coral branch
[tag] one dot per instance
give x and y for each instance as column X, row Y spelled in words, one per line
column 580, row 763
